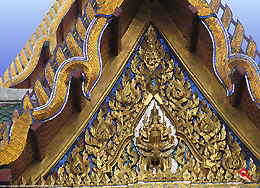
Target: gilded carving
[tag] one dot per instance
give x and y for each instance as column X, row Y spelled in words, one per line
column 155, row 144
column 182, row 139
column 153, row 70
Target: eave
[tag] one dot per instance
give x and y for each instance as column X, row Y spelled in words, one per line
column 193, row 64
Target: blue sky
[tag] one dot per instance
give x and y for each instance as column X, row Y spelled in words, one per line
column 19, row 19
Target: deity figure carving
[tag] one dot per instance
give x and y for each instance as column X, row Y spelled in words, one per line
column 155, row 146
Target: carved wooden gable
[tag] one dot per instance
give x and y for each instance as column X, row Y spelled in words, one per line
column 154, row 126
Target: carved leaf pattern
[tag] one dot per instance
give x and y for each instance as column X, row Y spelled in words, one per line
column 106, row 154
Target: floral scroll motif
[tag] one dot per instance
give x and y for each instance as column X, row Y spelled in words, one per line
column 106, row 153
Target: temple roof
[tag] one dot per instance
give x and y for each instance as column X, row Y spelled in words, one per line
column 10, row 99
column 82, row 51
column 6, row 112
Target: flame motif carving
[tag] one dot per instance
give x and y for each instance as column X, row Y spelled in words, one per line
column 205, row 152
column 156, row 67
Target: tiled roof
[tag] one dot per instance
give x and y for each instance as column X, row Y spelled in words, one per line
column 6, row 111
column 9, row 99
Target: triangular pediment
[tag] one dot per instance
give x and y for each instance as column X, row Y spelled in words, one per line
column 153, row 102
